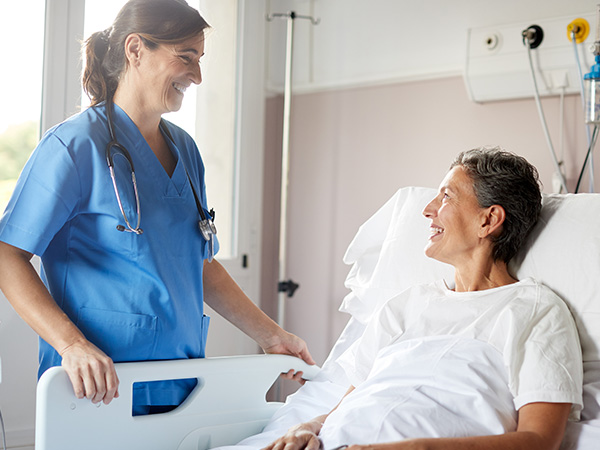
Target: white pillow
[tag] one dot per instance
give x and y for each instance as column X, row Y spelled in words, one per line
column 387, row 254
column 563, row 252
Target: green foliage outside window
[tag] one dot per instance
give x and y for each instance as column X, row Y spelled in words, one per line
column 16, row 144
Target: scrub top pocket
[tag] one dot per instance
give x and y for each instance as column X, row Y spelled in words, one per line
column 122, row 336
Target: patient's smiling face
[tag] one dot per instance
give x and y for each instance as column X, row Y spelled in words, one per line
column 455, row 217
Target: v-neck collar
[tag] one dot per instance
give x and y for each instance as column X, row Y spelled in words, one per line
column 142, row 154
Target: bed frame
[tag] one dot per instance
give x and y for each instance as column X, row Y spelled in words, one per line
column 227, row 405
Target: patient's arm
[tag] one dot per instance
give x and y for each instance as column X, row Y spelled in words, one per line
column 305, row 435
column 541, row 426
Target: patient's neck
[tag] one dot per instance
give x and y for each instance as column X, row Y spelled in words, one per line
column 487, row 275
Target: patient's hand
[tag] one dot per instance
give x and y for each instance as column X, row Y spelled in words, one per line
column 294, row 376
column 303, row 436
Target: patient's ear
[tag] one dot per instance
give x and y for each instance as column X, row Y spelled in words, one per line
column 493, row 219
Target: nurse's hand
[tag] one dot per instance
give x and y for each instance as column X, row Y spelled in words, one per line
column 91, row 372
column 290, row 344
column 285, row 343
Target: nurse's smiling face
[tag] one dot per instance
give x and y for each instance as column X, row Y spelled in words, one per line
column 166, row 72
column 455, row 217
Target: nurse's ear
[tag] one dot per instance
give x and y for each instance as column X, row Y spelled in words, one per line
column 133, row 49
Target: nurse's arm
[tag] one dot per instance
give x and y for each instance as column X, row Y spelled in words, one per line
column 223, row 294
column 91, row 372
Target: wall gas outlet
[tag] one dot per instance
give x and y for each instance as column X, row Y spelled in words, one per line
column 491, row 42
column 497, row 66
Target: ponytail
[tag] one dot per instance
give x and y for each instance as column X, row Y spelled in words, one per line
column 95, row 80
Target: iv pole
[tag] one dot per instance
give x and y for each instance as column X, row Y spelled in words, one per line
column 286, row 288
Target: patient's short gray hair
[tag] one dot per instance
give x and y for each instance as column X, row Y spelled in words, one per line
column 506, row 179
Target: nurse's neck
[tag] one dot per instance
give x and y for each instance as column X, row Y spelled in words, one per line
column 139, row 112
column 148, row 123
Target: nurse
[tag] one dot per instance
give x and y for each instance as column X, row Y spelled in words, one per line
column 112, row 289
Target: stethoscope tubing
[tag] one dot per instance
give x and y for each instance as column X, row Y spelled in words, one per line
column 114, row 144
column 137, row 229
column 206, row 225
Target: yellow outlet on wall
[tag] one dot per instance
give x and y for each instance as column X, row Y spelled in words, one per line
column 581, row 27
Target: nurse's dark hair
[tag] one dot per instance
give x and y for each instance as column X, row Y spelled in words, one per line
column 505, row 179
column 156, row 21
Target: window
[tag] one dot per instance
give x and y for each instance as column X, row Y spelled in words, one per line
column 22, row 92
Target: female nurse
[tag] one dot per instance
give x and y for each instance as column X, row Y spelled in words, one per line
column 112, row 289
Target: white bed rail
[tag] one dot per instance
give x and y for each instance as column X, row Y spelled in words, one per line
column 227, row 405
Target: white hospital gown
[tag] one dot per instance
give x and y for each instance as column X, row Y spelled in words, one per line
column 439, row 363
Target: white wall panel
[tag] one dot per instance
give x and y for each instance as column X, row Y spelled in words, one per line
column 369, row 42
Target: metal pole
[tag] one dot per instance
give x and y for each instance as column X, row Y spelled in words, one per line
column 285, row 167
column 286, row 288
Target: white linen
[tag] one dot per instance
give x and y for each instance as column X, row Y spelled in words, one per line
column 387, row 254
column 585, row 434
column 426, row 387
column 525, row 322
column 313, row 399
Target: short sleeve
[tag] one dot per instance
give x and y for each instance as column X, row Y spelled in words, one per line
column 45, row 197
column 545, row 359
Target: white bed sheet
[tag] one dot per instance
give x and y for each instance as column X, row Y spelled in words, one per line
column 585, row 434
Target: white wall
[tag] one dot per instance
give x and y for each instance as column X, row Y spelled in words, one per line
column 370, row 41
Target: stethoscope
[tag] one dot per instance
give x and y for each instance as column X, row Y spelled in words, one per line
column 205, row 224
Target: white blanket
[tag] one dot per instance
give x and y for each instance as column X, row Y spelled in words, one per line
column 433, row 387
column 442, row 386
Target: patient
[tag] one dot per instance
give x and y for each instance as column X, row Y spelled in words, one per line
column 489, row 362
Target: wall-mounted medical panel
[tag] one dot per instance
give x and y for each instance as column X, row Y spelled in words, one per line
column 497, row 65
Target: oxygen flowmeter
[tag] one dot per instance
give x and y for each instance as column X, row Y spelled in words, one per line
column 592, row 89
column 592, row 82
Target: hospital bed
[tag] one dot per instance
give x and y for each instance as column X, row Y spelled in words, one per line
column 227, row 405
column 386, row 256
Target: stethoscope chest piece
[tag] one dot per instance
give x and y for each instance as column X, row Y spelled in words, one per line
column 209, row 230
column 207, row 225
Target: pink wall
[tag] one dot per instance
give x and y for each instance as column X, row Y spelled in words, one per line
column 352, row 149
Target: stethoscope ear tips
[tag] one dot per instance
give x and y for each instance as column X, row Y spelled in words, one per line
column 120, row 228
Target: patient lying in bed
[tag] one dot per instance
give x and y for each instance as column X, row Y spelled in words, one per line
column 490, row 361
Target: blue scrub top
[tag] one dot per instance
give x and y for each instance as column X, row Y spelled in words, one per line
column 136, row 297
